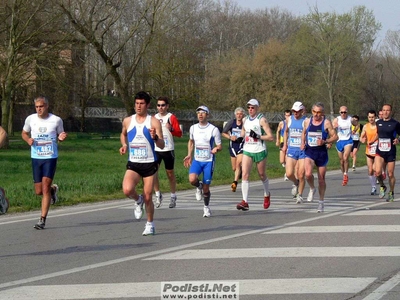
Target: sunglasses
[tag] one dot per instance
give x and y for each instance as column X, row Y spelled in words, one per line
column 161, row 105
column 317, row 112
column 343, row 112
column 251, row 107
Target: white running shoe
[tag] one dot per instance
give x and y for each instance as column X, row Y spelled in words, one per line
column 207, row 212
column 199, row 192
column 299, row 199
column 149, row 230
column 373, row 191
column 311, row 194
column 295, row 189
column 159, row 200
column 138, row 212
column 320, row 206
column 172, row 203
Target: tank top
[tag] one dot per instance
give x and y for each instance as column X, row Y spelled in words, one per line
column 253, row 145
column 295, row 132
column 314, row 133
column 344, row 129
column 371, row 134
column 141, row 145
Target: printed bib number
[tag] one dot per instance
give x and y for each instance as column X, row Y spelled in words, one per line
column 202, row 152
column 165, row 140
column 295, row 139
column 372, row 148
column 236, row 132
column 385, row 145
column 313, row 137
column 137, row 152
column 355, row 137
column 44, row 148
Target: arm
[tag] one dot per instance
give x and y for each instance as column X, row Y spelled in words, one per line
column 363, row 135
column 62, row 135
column 278, row 133
column 217, row 139
column 124, row 136
column 156, row 132
column 187, row 161
column 226, row 131
column 286, row 135
column 268, row 136
column 304, row 133
column 331, row 132
column 175, row 128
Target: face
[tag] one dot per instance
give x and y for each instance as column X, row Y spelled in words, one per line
column 239, row 115
column 371, row 118
column 162, row 107
column 386, row 111
column 343, row 112
column 252, row 109
column 41, row 108
column 287, row 116
column 297, row 114
column 317, row 113
column 380, row 115
column 201, row 116
column 140, row 106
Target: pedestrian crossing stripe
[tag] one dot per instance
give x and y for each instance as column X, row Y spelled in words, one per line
column 282, row 252
column 340, row 229
column 277, row 286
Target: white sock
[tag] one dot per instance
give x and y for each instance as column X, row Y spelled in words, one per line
column 372, row 180
column 173, row 195
column 158, row 193
column 245, row 189
column 266, row 187
column 150, row 224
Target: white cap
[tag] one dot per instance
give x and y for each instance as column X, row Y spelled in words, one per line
column 203, row 108
column 253, row 102
column 297, row 106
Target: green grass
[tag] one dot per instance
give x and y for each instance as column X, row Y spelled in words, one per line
column 90, row 170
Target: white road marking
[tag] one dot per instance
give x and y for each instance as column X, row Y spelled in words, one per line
column 153, row 289
column 376, row 212
column 342, row 229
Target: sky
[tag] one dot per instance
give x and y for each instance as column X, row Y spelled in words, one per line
column 387, row 12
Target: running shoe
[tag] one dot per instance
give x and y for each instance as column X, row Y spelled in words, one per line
column 295, row 189
column 199, row 192
column 299, row 199
column 234, row 186
column 172, row 203
column 4, row 204
column 159, row 200
column 390, row 197
column 373, row 190
column 382, row 191
column 207, row 212
column 354, row 168
column 320, row 206
column 345, row 179
column 243, row 205
column 311, row 193
column 138, row 212
column 40, row 225
column 267, row 201
column 54, row 191
column 148, row 230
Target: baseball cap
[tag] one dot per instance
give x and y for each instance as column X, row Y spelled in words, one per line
column 203, row 108
column 253, row 102
column 297, row 106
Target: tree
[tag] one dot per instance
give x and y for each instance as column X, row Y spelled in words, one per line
column 328, row 41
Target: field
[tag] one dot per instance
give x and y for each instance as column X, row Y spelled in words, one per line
column 91, row 169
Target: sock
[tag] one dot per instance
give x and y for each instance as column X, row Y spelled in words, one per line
column 158, row 193
column 266, row 187
column 372, row 180
column 207, row 198
column 245, row 189
column 150, row 224
column 173, row 195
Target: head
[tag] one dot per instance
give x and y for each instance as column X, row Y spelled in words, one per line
column 42, row 106
column 162, row 105
column 386, row 111
column 343, row 112
column 355, row 119
column 380, row 114
column 288, row 113
column 252, row 107
column 239, row 113
column 142, row 102
column 371, row 116
column 202, row 113
column 297, row 109
column 318, row 111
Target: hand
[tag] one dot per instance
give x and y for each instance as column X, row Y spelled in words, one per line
column 187, row 161
column 254, row 135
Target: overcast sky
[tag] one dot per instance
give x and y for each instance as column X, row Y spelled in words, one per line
column 387, row 12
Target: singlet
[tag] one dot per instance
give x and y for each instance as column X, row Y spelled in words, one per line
column 356, row 135
column 295, row 132
column 141, row 145
column 314, row 133
column 168, row 136
column 386, row 133
column 205, row 138
column 370, row 134
column 234, row 129
column 253, row 145
column 344, row 128
column 45, row 133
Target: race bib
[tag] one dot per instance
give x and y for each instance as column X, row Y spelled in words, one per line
column 372, row 148
column 384, row 145
column 44, row 148
column 202, row 152
column 137, row 152
column 165, row 137
column 313, row 137
column 355, row 137
column 295, row 139
column 236, row 132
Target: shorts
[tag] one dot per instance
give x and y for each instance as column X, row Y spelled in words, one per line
column 206, row 167
column 295, row 153
column 143, row 169
column 340, row 145
column 257, row 157
column 43, row 168
column 356, row 145
column 236, row 149
column 168, row 157
column 318, row 154
column 388, row 156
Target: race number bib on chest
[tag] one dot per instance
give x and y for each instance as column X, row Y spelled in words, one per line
column 137, row 152
column 313, row 137
column 44, row 148
column 202, row 152
column 384, row 145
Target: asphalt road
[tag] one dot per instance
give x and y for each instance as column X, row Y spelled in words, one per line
column 351, row 251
